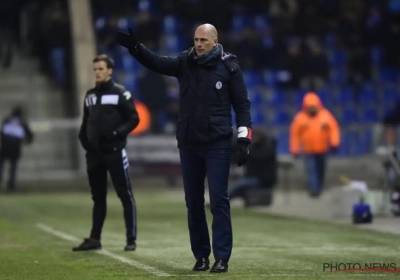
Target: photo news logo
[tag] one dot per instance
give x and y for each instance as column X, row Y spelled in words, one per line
column 344, row 267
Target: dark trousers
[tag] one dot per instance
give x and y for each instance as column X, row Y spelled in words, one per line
column 195, row 165
column 116, row 163
column 13, row 171
column 315, row 168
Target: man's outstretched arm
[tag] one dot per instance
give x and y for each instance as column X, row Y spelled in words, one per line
column 165, row 65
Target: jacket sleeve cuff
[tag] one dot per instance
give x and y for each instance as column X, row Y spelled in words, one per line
column 245, row 134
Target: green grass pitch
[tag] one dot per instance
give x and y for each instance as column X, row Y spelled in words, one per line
column 37, row 232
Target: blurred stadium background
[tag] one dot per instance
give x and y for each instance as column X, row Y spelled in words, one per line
column 347, row 51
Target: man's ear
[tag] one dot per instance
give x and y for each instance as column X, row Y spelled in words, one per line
column 110, row 71
column 215, row 41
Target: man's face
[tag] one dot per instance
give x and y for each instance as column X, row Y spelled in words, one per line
column 102, row 73
column 203, row 41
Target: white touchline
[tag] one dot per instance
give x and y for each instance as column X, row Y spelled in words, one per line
column 104, row 252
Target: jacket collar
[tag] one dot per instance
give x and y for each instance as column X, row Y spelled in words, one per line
column 105, row 86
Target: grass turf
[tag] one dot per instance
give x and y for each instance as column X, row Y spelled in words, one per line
column 265, row 246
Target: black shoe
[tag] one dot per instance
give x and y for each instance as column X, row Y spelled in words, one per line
column 202, row 264
column 88, row 245
column 219, row 266
column 130, row 245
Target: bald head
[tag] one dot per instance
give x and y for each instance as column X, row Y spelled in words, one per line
column 209, row 29
column 205, row 38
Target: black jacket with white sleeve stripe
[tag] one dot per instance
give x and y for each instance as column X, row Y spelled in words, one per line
column 109, row 116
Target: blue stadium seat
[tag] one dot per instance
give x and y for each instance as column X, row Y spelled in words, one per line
column 174, row 43
column 276, row 98
column 366, row 137
column 344, row 96
column 130, row 64
column 349, row 116
column 125, row 22
column 269, row 78
column 258, row 117
column 239, row 22
column 330, row 40
column 325, row 95
column 283, row 143
column 161, row 119
column 337, row 58
column 281, row 118
column 99, row 24
column 298, row 98
column 337, row 75
column 390, row 95
column 233, row 117
column 131, row 82
column 117, row 57
column 255, row 97
column 261, row 21
column 354, row 144
column 360, row 142
column 370, row 115
column 343, row 149
column 251, row 78
column 147, row 5
column 387, row 75
column 170, row 25
column 376, row 56
column 368, row 96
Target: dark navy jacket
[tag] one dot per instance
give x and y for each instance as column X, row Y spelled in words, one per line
column 207, row 94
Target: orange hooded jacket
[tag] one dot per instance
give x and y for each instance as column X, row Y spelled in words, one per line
column 313, row 135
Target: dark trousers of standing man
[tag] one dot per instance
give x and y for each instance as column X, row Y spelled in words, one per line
column 13, row 171
column 116, row 163
column 216, row 164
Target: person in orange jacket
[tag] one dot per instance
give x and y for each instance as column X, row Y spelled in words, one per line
column 314, row 132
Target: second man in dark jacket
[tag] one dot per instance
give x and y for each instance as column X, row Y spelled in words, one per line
column 109, row 115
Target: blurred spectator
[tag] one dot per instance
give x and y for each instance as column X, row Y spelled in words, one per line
column 211, row 12
column 350, row 29
column 106, row 39
column 14, row 132
column 314, row 132
column 261, row 168
column 283, row 14
column 359, row 66
column 291, row 66
column 269, row 45
column 316, row 70
column 309, row 21
column 375, row 26
column 249, row 49
column 8, row 15
column 55, row 33
column 392, row 46
column 148, row 30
